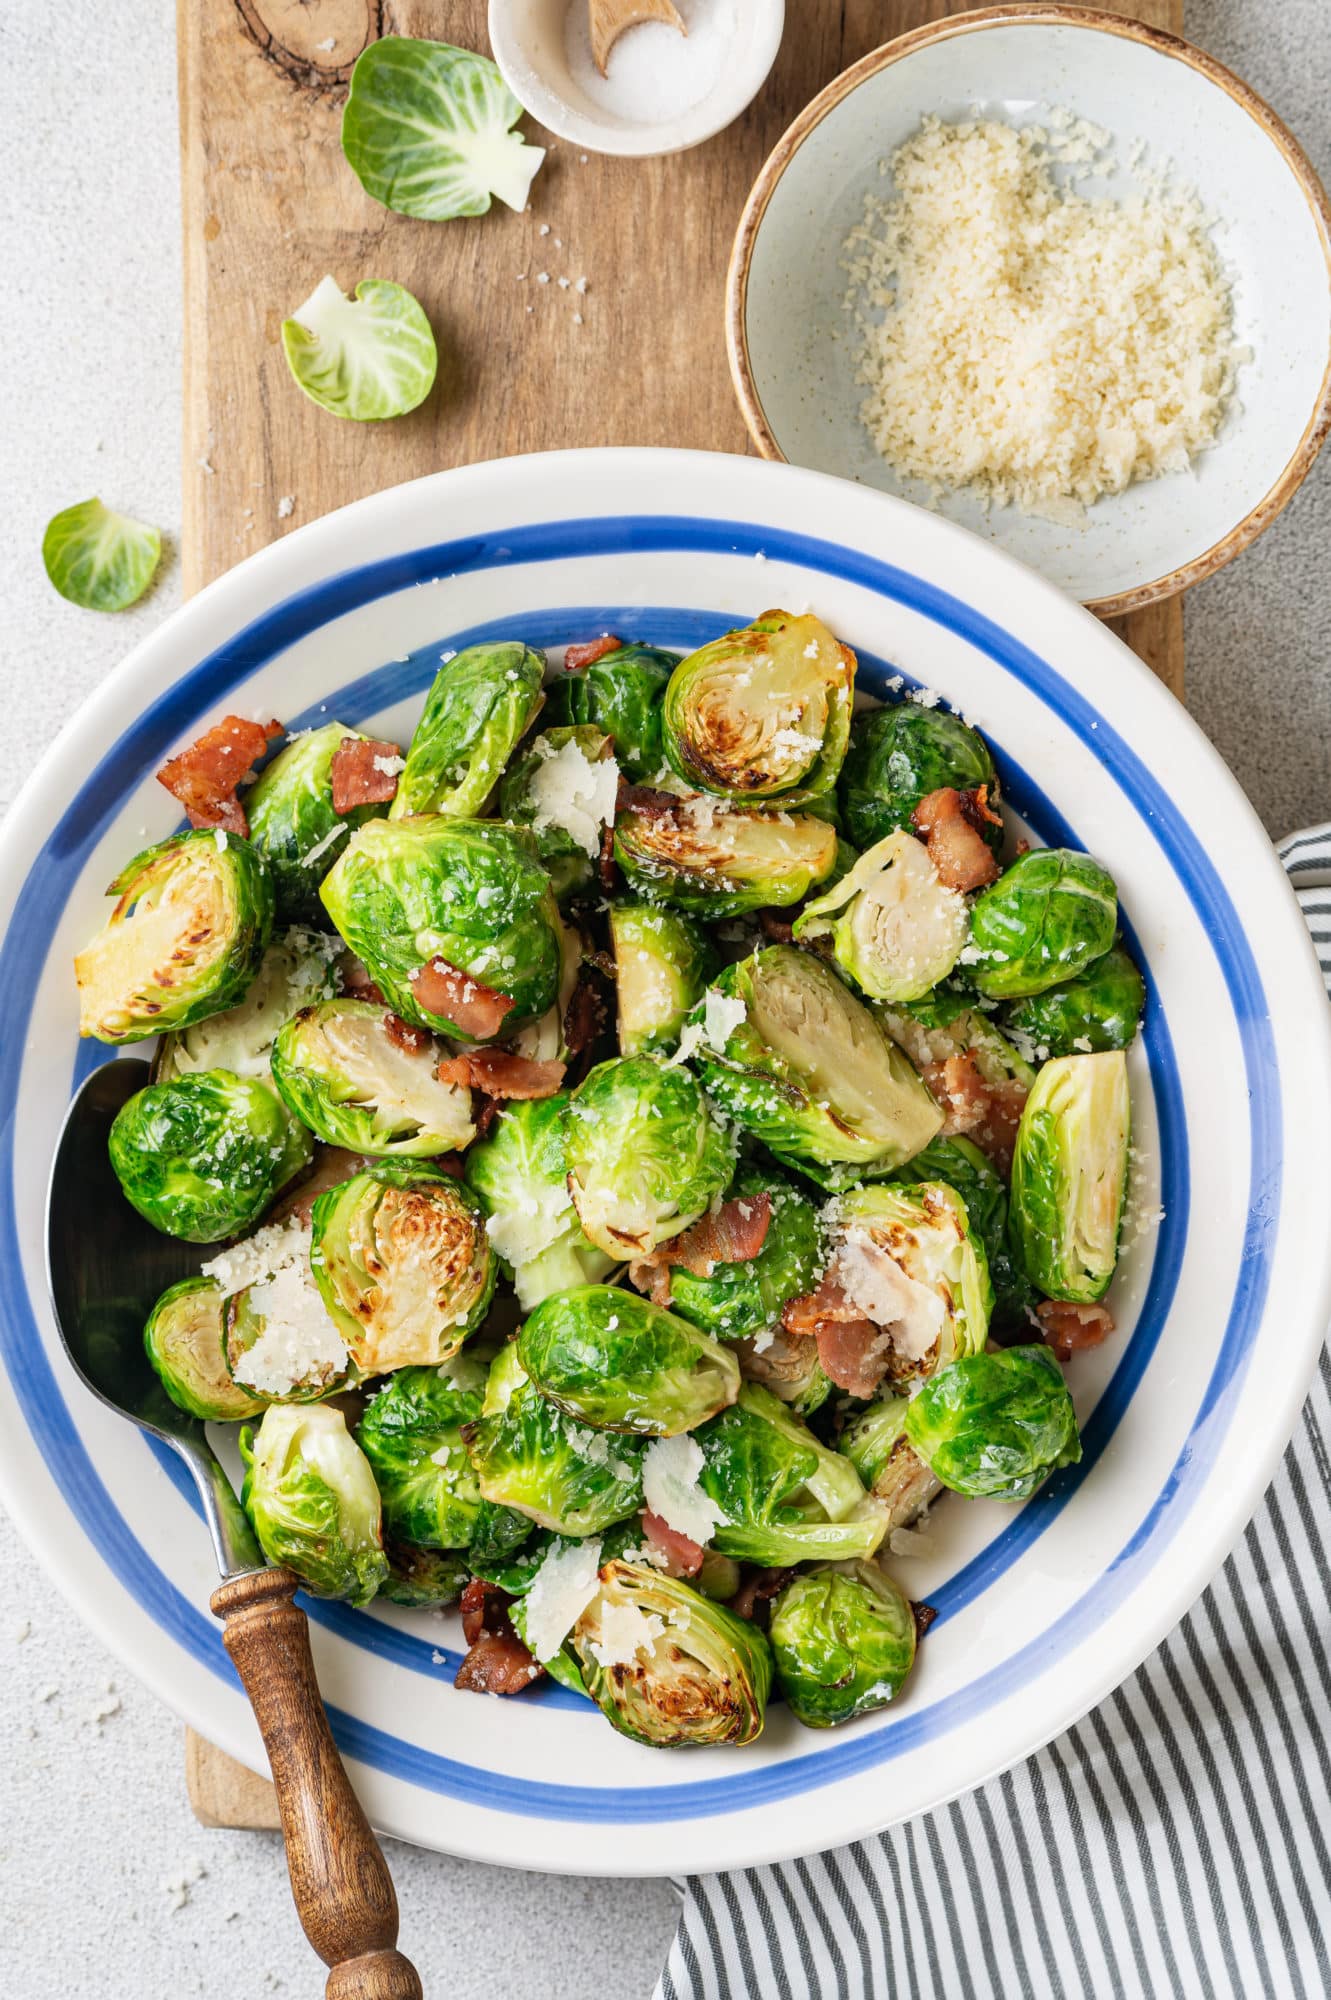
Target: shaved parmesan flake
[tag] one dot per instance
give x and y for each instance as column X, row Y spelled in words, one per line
column 626, row 1631
column 875, row 1283
column 561, row 1590
column 574, row 792
column 670, row 1469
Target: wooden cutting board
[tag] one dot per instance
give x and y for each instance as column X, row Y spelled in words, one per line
column 270, row 206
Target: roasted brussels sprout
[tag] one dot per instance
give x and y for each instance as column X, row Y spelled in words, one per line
column 667, row 1666
column 907, row 1257
column 202, row 1157
column 520, row 1173
column 345, row 1069
column 422, row 1579
column 528, row 1455
column 298, row 970
column 403, row 1264
column 439, row 907
column 184, row 940
column 994, row 1426
column 482, row 703
column 810, row 1072
column 292, row 822
column 843, row 1642
column 1099, row 1010
column 411, row 1433
column 897, row 756
column 183, row 1339
column 621, row 694
column 786, row 1498
column 1070, row 1175
column 645, row 1155
column 662, row 965
column 547, row 1040
column 961, row 1164
column 893, row 926
column 619, row 1363
column 313, row 1503
column 762, row 715
column 279, row 1338
column 1045, row 919
column 732, row 1300
column 564, row 787
column 876, row 1444
column 714, row 863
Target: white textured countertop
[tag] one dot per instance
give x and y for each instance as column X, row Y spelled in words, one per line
column 94, row 1823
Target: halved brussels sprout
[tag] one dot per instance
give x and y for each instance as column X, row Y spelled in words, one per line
column 897, row 756
column 563, row 787
column 843, row 1643
column 292, row 822
column 762, row 715
column 961, row 1164
column 520, row 1172
column 482, row 703
column 313, row 1503
column 422, row 1579
column 667, row 1666
column 184, row 940
column 621, row 694
column 876, row 1444
column 411, row 1433
column 994, row 1426
column 202, row 1157
column 529, row 1456
column 1070, row 1175
column 732, row 1300
column 907, row 1258
column 645, row 1155
column 810, row 1072
column 715, row 863
column 183, row 1339
column 278, row 1337
column 894, row 927
column 297, row 970
column 403, row 1265
column 470, row 893
column 786, row 1498
column 1099, row 1010
column 1045, row 919
column 356, row 1085
column 619, row 1363
column 662, row 965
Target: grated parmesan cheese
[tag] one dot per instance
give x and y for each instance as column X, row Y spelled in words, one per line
column 670, row 1470
column 574, row 792
column 299, row 1342
column 626, row 1631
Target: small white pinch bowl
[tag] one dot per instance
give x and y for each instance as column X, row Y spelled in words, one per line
column 797, row 384
column 527, row 39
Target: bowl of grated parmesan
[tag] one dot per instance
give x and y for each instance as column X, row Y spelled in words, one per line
column 1058, row 276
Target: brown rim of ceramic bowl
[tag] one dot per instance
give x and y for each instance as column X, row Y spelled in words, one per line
column 1314, row 437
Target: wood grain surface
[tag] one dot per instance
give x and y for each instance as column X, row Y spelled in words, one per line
column 270, row 207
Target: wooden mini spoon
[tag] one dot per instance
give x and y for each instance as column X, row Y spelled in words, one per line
column 609, row 19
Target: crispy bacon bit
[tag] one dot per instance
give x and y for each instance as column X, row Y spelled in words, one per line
column 683, row 1556
column 358, row 776
column 758, row 1589
column 578, row 658
column 204, row 777
column 605, row 866
column 828, row 1303
column 645, row 799
column 975, row 1108
column 924, row 1615
column 498, row 1662
column 778, row 929
column 1023, row 846
column 449, row 1163
column 456, row 997
column 948, row 823
column 412, row 1041
column 501, row 1073
column 734, row 1235
column 854, row 1353
column 484, row 1119
column 357, row 983
column 1069, row 1328
column 584, row 1017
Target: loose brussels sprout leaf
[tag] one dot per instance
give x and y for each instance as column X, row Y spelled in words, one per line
column 411, row 1433
column 184, row 940
column 894, row 928
column 714, row 863
column 342, row 1072
column 520, row 1173
column 907, row 1258
column 645, row 1156
column 897, row 756
column 279, row 1339
column 786, row 1498
column 313, row 1503
column 369, row 357
column 621, row 694
column 100, row 560
column 662, row 965
column 183, row 1339
column 811, row 1073
column 994, row 1426
column 667, row 1666
column 292, row 822
column 564, row 789
column 528, row 1455
column 297, row 970
column 202, row 1157
column 1099, row 1010
column 1044, row 920
column 403, row 1265
column 962, row 1165
column 876, row 1444
column 762, row 716
column 482, row 701
column 422, row 1579
column 469, row 892
column 427, row 131
column 1070, row 1175
column 732, row 1300
column 843, row 1642
column 619, row 1363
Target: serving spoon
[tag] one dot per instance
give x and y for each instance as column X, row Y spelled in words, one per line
column 608, row 20
column 106, row 1266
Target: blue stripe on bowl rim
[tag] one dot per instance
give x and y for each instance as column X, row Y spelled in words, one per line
column 159, row 726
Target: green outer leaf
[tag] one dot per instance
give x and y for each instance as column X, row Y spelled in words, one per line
column 422, row 1579
column 1101, row 1009
column 663, row 961
column 312, row 1501
column 480, row 703
column 1044, row 920
column 367, row 359
column 621, row 694
column 1070, row 1175
column 787, row 1498
column 994, row 1426
column 411, row 1433
column 100, row 560
column 201, row 1157
column 842, row 1644
column 528, row 1455
column 290, row 811
column 897, row 756
column 520, row 1173
column 620, row 1363
column 645, row 1155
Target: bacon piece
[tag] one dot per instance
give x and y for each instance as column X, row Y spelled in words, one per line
column 683, row 1556
column 854, row 1353
column 204, row 777
column 734, row 1235
column 333, row 1166
column 975, row 1108
column 501, row 1073
column 412, row 1041
column 357, row 778
column 605, row 866
column 1069, row 1328
column 578, row 658
column 484, row 1119
column 646, row 799
column 924, row 1616
column 946, row 821
column 758, row 1589
column 357, row 983
column 778, row 929
column 827, row 1304
column 449, row 1163
column 498, row 1662
column 584, row 1017
column 440, row 988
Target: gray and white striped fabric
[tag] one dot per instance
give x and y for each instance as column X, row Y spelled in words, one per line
column 1175, row 1842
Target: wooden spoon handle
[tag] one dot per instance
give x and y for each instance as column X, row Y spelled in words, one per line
column 339, row 1878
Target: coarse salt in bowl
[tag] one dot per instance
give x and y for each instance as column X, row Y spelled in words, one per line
column 663, row 92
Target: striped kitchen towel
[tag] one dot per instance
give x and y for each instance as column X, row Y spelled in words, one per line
column 1175, row 1842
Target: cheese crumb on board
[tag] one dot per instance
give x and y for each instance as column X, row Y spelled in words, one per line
column 670, row 1470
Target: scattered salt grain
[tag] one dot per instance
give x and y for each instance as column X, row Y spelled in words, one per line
column 22, row 1631
column 178, row 1886
column 285, row 506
